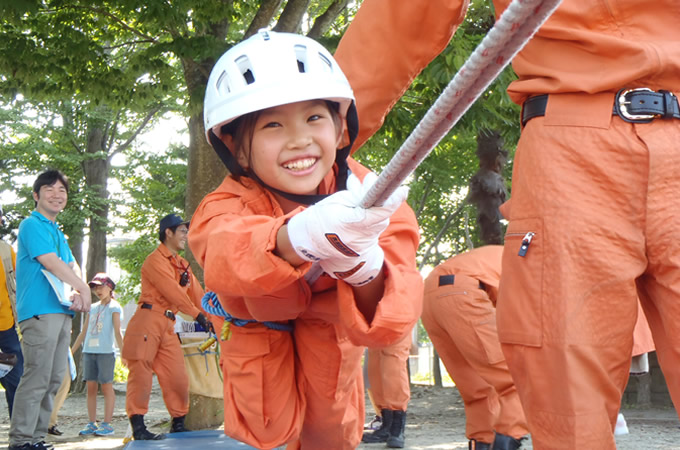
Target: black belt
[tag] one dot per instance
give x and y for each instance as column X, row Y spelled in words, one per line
column 640, row 105
column 167, row 313
column 445, row 280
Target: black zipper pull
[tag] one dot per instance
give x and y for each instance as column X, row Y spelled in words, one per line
column 526, row 241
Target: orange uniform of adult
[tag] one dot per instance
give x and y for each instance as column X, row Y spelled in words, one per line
column 303, row 387
column 150, row 344
column 597, row 192
column 459, row 314
column 388, row 376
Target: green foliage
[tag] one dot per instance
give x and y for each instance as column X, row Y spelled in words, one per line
column 130, row 258
column 69, row 70
column 428, row 378
column 154, row 185
column 120, row 372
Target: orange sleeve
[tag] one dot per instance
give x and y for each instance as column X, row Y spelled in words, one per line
column 387, row 45
column 402, row 302
column 233, row 238
column 196, row 293
column 159, row 277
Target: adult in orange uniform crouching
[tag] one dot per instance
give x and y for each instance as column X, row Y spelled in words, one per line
column 390, row 391
column 593, row 220
column 312, row 276
column 459, row 314
column 150, row 343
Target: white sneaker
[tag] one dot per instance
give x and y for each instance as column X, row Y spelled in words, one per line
column 621, row 426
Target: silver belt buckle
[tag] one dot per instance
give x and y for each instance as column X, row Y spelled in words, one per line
column 622, row 109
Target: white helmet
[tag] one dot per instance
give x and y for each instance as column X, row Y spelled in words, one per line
column 271, row 69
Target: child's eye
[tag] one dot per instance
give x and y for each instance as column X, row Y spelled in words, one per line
column 315, row 117
column 271, row 125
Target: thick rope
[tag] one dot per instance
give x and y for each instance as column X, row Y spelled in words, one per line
column 211, row 305
column 516, row 26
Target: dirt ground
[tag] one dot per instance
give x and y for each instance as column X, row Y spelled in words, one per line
column 436, row 420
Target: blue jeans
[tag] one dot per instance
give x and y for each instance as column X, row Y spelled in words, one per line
column 9, row 343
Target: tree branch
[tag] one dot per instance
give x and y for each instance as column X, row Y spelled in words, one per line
column 440, row 234
column 264, row 16
column 135, row 133
column 423, row 198
column 125, row 44
column 323, row 23
column 119, row 21
column 291, row 16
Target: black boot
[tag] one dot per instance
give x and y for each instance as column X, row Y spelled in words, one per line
column 503, row 442
column 382, row 433
column 396, row 439
column 474, row 444
column 139, row 431
column 177, row 425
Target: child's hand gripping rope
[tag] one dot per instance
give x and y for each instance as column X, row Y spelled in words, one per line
column 341, row 235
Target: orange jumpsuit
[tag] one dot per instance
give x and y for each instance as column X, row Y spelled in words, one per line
column 150, row 344
column 459, row 315
column 303, row 387
column 598, row 193
column 388, row 375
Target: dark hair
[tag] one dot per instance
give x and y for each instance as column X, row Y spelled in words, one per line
column 48, row 178
column 242, row 129
column 161, row 234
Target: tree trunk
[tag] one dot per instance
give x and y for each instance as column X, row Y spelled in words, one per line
column 263, row 17
column 75, row 243
column 436, row 370
column 96, row 179
column 325, row 20
column 292, row 15
column 487, row 186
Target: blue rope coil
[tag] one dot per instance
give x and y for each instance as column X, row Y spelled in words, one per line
column 211, row 305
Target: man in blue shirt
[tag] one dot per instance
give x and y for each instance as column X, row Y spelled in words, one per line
column 44, row 320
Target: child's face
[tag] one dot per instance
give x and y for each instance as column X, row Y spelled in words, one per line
column 293, row 146
column 103, row 292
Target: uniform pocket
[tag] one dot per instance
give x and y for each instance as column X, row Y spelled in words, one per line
column 140, row 346
column 259, row 367
column 488, row 337
column 519, row 309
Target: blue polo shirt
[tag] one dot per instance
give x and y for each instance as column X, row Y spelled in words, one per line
column 38, row 236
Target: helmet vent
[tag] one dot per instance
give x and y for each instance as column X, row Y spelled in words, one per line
column 328, row 63
column 301, row 55
column 223, row 83
column 245, row 68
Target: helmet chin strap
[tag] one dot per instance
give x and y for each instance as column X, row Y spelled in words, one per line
column 340, row 159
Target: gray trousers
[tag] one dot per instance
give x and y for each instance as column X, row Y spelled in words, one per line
column 45, row 343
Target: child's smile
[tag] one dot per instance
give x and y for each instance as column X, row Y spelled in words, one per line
column 293, row 146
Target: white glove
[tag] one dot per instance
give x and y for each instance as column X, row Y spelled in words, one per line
column 356, row 271
column 338, row 227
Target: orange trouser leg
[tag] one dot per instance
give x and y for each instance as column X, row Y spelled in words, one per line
column 388, row 375
column 140, row 345
column 334, row 388
column 168, row 365
column 460, row 319
column 262, row 402
column 659, row 287
column 593, row 197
